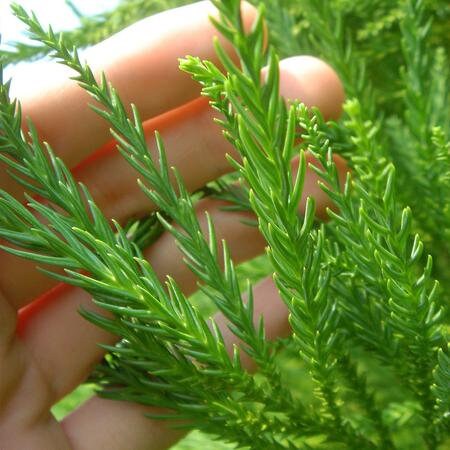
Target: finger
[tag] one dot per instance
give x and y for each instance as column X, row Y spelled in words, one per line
column 116, row 425
column 61, row 347
column 10, row 365
column 141, row 62
column 55, row 319
column 195, row 146
column 187, row 132
column 313, row 82
column 24, row 393
column 267, row 304
column 194, row 143
column 58, row 348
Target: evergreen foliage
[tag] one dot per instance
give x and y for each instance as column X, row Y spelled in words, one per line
column 367, row 292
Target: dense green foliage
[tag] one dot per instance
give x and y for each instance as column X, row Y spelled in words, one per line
column 369, row 348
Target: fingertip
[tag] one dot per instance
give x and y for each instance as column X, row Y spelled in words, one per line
column 314, row 83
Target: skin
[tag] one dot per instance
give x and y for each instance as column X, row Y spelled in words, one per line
column 46, row 348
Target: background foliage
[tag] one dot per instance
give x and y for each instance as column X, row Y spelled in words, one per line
column 393, row 59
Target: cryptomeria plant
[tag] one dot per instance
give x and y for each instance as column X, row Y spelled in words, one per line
column 361, row 290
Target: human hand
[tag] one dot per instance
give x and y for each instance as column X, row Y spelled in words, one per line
column 46, row 348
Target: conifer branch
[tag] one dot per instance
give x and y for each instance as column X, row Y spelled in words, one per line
column 201, row 254
column 266, row 148
column 409, row 299
column 423, row 105
column 164, row 195
column 360, row 280
column 150, row 319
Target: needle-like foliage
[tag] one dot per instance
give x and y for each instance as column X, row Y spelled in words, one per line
column 369, row 319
